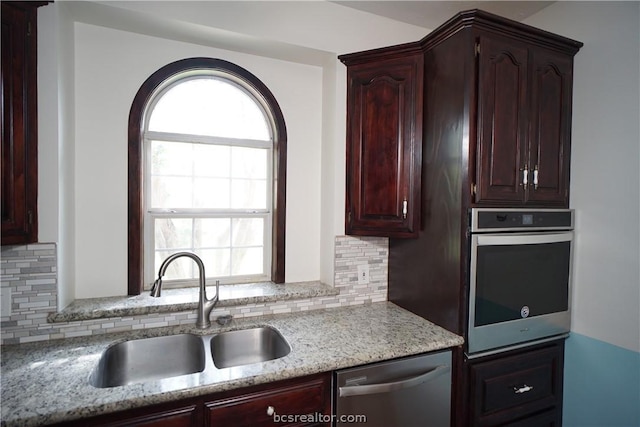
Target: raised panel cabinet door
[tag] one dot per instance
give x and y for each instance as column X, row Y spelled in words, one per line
column 502, row 121
column 19, row 123
column 550, row 137
column 384, row 147
column 301, row 403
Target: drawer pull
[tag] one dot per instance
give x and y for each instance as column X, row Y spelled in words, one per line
column 521, row 390
column 271, row 410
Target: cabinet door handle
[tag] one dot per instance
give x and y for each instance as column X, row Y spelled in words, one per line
column 524, row 389
column 535, row 177
column 525, row 177
column 405, row 206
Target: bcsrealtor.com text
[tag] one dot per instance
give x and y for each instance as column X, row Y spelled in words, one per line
column 318, row 417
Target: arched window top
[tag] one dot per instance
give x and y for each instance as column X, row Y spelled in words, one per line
column 202, row 133
column 209, row 105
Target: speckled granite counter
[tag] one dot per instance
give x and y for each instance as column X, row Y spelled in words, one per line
column 44, row 383
column 185, row 299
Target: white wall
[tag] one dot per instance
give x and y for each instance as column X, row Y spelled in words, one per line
column 111, row 66
column 114, row 46
column 605, row 165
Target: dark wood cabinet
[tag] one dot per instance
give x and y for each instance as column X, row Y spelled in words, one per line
column 517, row 388
column 384, row 144
column 299, row 404
column 19, row 122
column 304, row 401
column 502, row 120
column 497, row 108
column 524, row 118
column 550, row 127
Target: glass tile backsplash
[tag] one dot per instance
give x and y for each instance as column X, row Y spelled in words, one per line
column 29, row 293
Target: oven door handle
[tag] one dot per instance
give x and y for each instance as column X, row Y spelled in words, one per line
column 360, row 390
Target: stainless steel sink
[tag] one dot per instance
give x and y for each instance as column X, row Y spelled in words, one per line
column 148, row 359
column 235, row 348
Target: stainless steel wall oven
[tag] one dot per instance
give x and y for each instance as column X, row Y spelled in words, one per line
column 520, row 276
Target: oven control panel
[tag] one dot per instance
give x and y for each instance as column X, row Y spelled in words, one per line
column 488, row 219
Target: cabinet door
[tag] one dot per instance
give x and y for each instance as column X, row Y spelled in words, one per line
column 302, row 403
column 502, row 121
column 551, row 83
column 19, row 123
column 384, row 147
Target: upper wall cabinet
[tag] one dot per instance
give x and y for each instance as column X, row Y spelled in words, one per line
column 384, row 143
column 19, row 123
column 524, row 119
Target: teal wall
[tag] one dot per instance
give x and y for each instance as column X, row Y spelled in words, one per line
column 601, row 384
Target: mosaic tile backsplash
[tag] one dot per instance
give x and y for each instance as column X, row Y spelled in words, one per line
column 29, row 293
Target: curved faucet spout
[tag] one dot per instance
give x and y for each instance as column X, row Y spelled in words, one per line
column 205, row 305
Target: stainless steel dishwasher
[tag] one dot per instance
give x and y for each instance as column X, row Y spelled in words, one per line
column 408, row 392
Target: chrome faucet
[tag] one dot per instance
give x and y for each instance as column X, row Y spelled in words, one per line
column 204, row 305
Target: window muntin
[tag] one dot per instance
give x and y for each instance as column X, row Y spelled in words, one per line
column 208, row 179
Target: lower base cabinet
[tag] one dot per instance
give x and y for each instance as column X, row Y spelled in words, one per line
column 297, row 402
column 517, row 388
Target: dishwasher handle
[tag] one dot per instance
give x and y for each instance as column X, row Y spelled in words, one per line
column 361, row 390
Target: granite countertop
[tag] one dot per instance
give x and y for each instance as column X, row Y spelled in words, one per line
column 186, row 299
column 47, row 382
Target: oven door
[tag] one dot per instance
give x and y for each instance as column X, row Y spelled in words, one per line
column 520, row 288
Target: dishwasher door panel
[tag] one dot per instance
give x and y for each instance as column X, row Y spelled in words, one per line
column 414, row 391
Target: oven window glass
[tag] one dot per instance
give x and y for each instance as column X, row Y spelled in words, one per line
column 517, row 281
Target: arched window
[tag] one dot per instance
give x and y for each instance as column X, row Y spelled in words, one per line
column 207, row 174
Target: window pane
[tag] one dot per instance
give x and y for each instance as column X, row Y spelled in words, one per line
column 211, row 160
column 211, row 193
column 247, row 261
column 209, row 106
column 216, row 262
column 249, row 162
column 248, row 232
column 171, row 158
column 248, row 194
column 173, row 233
column 171, row 192
column 212, row 232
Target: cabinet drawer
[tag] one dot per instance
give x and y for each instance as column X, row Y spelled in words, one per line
column 513, row 386
column 294, row 405
column 552, row 418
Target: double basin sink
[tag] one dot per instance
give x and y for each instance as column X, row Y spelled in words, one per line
column 148, row 359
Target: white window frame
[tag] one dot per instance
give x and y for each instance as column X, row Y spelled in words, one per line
column 150, row 214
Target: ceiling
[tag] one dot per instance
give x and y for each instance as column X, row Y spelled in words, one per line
column 431, row 14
